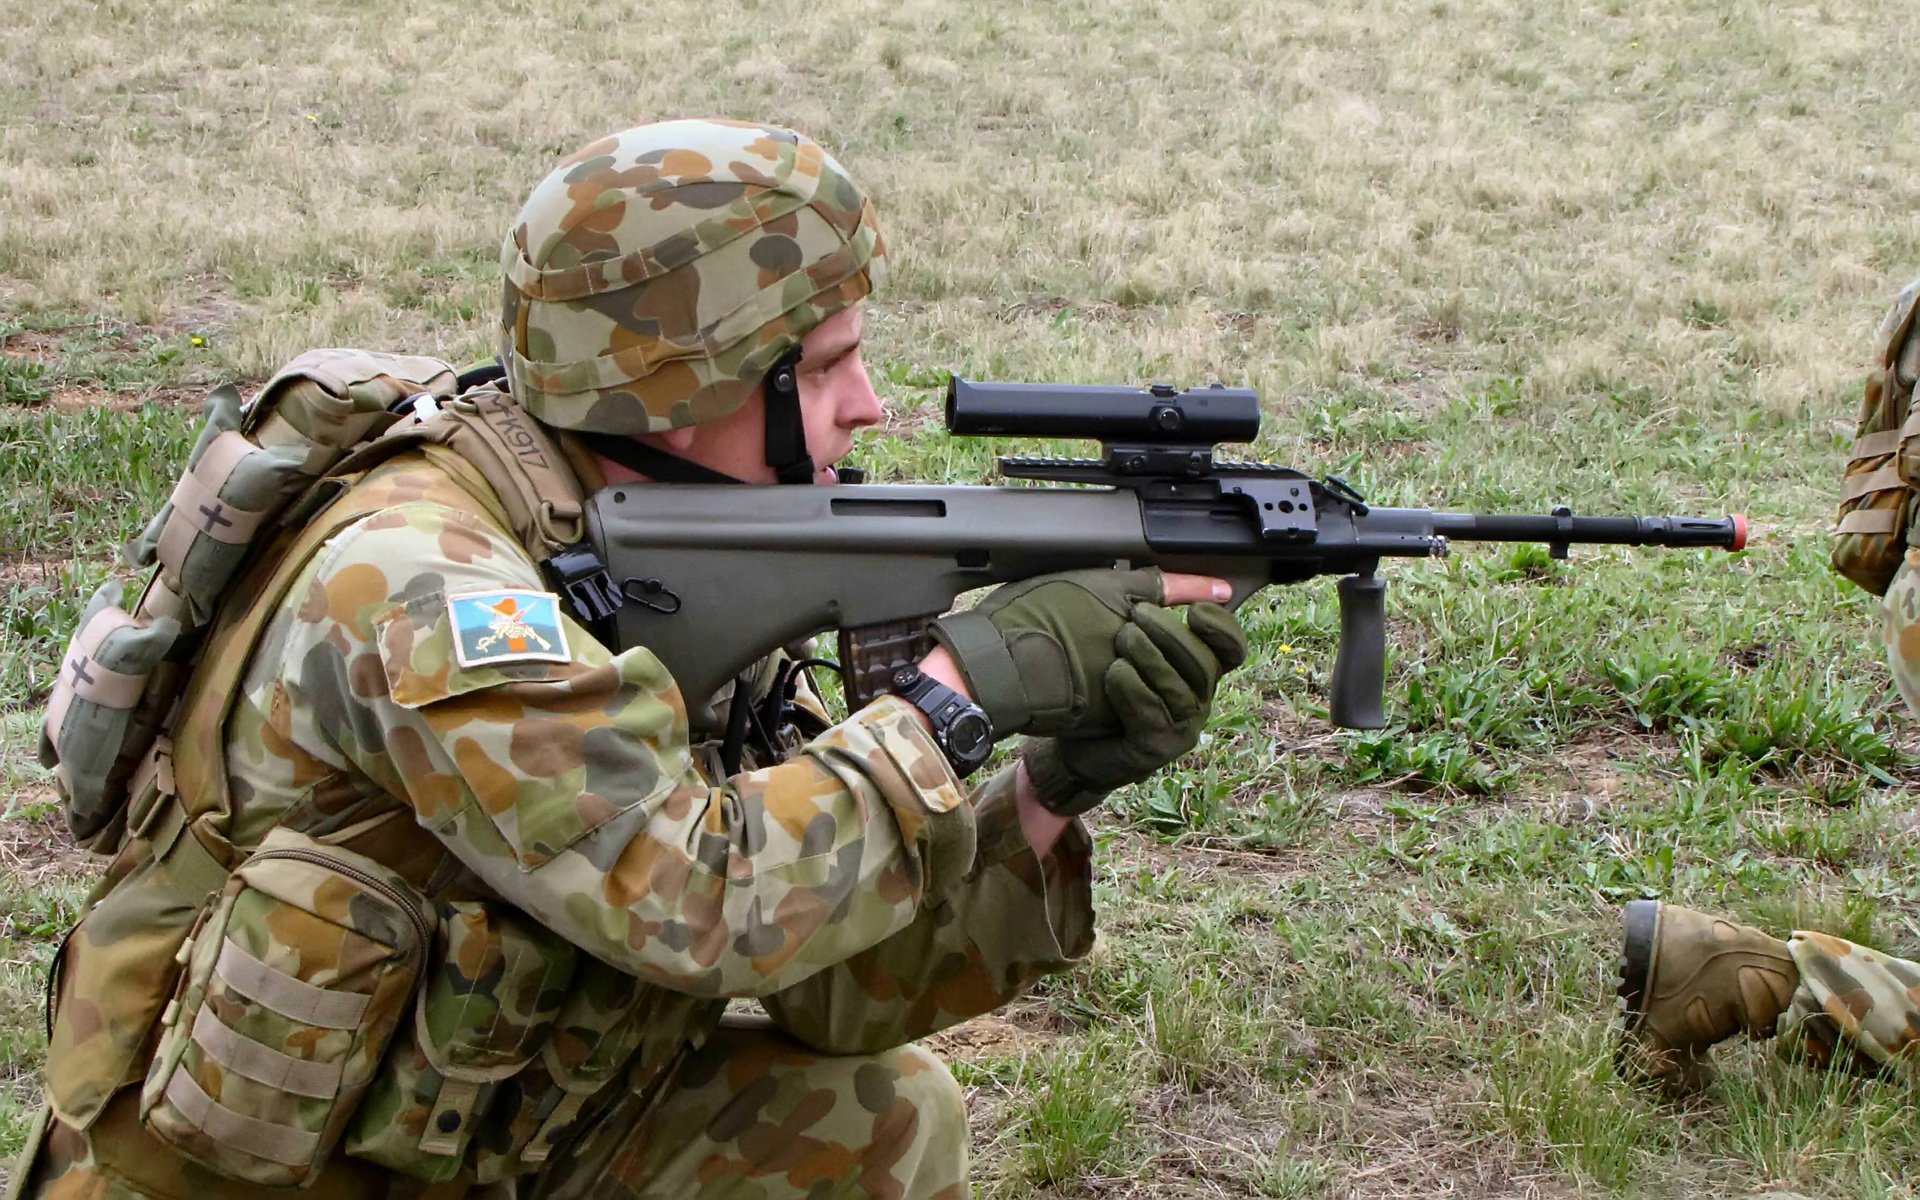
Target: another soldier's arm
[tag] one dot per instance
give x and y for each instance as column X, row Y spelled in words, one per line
column 569, row 787
column 980, row 939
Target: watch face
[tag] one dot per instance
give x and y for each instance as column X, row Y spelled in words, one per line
column 970, row 736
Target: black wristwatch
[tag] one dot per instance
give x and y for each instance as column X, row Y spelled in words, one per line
column 959, row 725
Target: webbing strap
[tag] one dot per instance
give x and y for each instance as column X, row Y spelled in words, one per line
column 1870, row 520
column 545, row 1138
column 1885, row 479
column 262, row 1063
column 990, row 670
column 263, row 1139
column 294, row 999
column 1873, row 445
column 452, row 1116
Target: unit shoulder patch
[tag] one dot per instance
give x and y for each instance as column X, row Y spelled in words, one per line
column 507, row 625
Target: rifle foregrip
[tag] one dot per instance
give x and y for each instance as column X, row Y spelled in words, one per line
column 1360, row 666
column 870, row 654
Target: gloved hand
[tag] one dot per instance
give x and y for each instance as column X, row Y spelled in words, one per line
column 1035, row 653
column 1160, row 690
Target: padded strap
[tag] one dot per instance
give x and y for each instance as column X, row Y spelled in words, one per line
column 282, row 1144
column 294, row 999
column 530, row 477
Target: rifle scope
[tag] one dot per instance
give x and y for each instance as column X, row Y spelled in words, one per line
column 1195, row 417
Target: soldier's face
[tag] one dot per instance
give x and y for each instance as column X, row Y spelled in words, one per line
column 836, row 395
column 836, row 398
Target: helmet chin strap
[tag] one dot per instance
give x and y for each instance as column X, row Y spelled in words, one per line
column 786, row 438
column 786, row 431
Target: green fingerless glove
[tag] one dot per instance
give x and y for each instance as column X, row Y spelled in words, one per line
column 1161, row 692
column 1035, row 652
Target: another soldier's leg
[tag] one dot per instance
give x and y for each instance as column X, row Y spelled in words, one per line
column 753, row 1114
column 1854, row 1004
column 1900, row 628
column 1690, row 980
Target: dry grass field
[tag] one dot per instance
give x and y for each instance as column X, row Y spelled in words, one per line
column 1493, row 255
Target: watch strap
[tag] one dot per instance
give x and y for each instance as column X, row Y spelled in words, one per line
column 942, row 705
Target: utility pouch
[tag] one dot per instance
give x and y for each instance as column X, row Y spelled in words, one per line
column 294, row 984
column 1876, row 521
column 497, row 982
column 611, row 1023
column 96, row 728
column 125, row 667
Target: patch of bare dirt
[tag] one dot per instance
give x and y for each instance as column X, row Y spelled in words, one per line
column 22, row 572
column 35, row 846
column 1594, row 770
column 1012, row 1032
column 81, row 399
column 1204, row 861
column 1042, row 305
column 1413, row 1142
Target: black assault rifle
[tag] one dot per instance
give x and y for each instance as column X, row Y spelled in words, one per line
column 714, row 578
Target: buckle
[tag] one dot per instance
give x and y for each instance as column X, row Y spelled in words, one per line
column 581, row 575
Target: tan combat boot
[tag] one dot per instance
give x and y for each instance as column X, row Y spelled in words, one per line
column 1688, row 980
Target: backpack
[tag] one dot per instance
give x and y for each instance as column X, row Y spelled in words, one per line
column 258, row 470
column 1878, row 491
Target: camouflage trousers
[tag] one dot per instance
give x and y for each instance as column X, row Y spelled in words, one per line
column 1853, row 1005
column 1900, row 628
column 751, row 1115
column 1856, row 1004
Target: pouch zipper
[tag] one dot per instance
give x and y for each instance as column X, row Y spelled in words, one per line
column 421, row 927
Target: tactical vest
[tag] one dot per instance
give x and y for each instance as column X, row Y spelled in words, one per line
column 274, row 999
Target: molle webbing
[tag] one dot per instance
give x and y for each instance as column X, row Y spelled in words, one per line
column 1874, row 527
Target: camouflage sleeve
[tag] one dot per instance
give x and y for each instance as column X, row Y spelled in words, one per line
column 981, row 938
column 565, row 781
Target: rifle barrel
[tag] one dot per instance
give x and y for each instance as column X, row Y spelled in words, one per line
column 1726, row 533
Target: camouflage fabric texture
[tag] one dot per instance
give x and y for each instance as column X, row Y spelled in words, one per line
column 1854, row 1005
column 751, row 1115
column 854, row 889
column 654, row 277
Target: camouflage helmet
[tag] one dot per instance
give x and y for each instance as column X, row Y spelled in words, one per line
column 655, row 276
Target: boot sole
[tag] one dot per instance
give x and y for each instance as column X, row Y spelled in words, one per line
column 1640, row 945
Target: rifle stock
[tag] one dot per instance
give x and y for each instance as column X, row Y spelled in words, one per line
column 716, row 577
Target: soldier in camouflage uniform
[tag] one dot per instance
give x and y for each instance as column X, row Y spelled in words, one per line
column 433, row 751
column 1689, row 980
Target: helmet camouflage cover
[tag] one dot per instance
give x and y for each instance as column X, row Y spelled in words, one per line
column 655, row 276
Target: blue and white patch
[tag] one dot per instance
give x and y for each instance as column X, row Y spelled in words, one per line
column 506, row 626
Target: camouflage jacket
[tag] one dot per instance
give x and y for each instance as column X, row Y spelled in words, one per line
column 853, row 889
